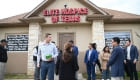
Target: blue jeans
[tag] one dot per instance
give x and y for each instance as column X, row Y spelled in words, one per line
column 91, row 71
column 105, row 74
column 47, row 68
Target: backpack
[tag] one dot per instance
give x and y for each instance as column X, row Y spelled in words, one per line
column 35, row 57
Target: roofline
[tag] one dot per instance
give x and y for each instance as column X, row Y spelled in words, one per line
column 119, row 11
column 33, row 19
column 98, row 8
column 99, row 17
column 42, row 4
column 127, row 20
column 36, row 8
column 106, row 20
column 13, row 24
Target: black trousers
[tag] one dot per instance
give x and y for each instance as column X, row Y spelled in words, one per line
column 99, row 65
column 132, row 70
column 126, row 69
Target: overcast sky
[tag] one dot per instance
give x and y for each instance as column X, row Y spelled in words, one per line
column 13, row 7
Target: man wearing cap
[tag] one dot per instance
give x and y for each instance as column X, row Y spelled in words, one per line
column 3, row 57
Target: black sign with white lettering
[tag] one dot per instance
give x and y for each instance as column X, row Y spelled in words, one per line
column 17, row 42
column 122, row 35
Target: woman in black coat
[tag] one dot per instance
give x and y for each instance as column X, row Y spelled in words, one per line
column 66, row 65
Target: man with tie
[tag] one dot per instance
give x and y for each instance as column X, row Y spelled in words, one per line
column 131, row 57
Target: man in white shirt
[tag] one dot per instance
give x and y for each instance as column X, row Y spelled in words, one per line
column 131, row 57
column 47, row 52
column 128, row 52
column 89, row 54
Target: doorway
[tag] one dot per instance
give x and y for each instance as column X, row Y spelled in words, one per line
column 65, row 37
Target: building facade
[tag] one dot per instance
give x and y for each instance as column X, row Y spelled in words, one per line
column 78, row 20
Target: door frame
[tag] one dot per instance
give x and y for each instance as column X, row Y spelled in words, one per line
column 58, row 35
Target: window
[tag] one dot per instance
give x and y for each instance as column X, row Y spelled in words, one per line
column 17, row 42
column 122, row 35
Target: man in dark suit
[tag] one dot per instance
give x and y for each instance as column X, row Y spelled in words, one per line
column 116, row 60
column 90, row 60
column 131, row 57
column 76, row 52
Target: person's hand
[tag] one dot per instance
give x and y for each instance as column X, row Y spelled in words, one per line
column 50, row 59
column 124, row 61
column 38, row 65
column 135, row 61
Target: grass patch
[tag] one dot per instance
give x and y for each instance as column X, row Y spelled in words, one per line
column 98, row 76
column 18, row 76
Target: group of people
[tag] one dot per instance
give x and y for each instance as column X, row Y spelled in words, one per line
column 50, row 60
column 94, row 57
column 112, row 63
